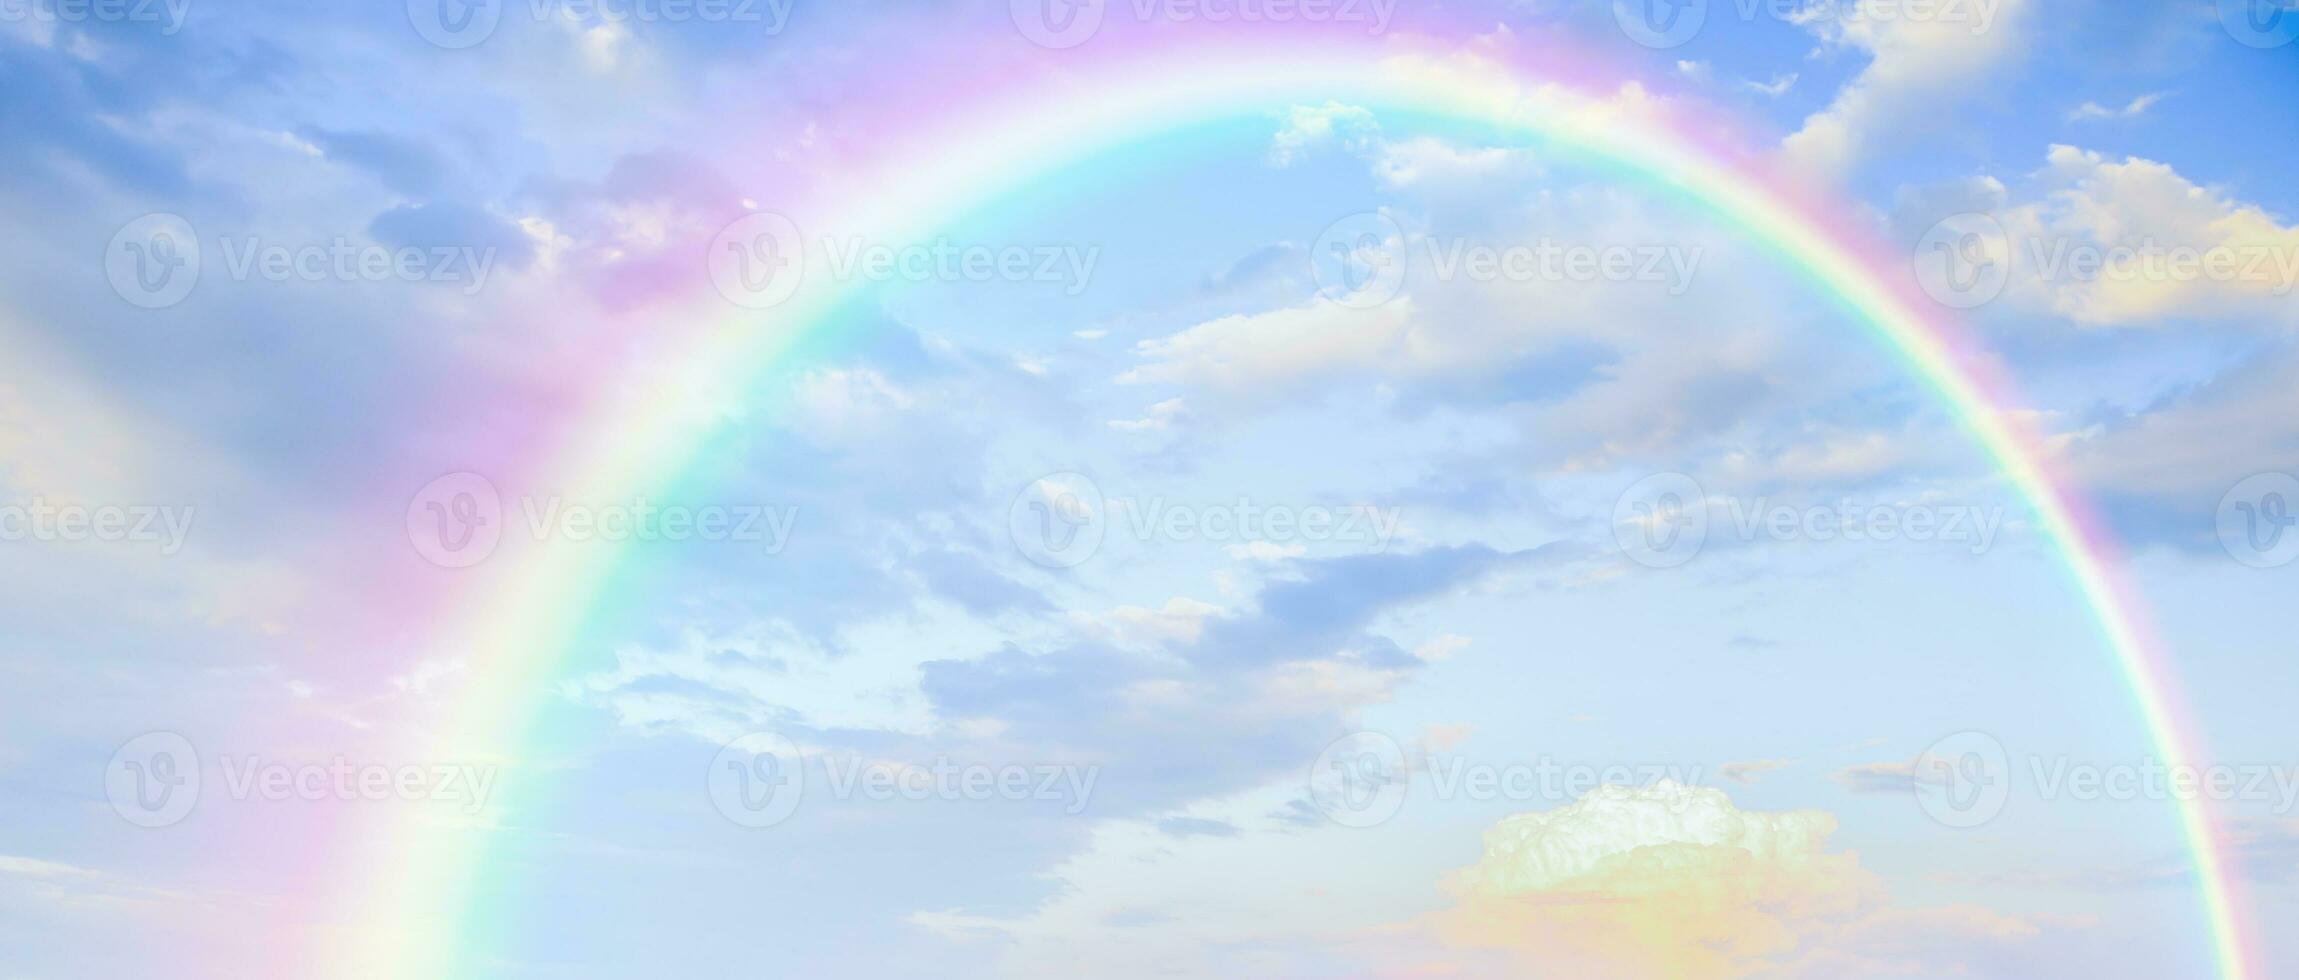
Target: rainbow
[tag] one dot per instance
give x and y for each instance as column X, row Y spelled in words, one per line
column 988, row 132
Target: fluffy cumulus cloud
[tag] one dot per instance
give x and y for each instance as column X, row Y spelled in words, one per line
column 2166, row 247
column 1661, row 880
column 1672, row 880
column 1924, row 60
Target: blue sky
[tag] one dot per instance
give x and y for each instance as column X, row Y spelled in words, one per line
column 1311, row 525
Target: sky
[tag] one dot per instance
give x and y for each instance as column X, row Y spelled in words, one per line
column 1315, row 539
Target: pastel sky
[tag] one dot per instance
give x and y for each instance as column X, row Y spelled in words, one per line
column 1255, row 548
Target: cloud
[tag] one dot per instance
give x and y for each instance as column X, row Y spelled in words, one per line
column 1921, row 66
column 1777, row 87
column 1671, row 880
column 454, row 226
column 1418, row 160
column 1311, row 127
column 1746, row 773
column 403, row 165
column 2142, row 217
column 2092, row 111
column 1197, row 827
column 1880, row 778
column 2176, row 456
column 1244, row 352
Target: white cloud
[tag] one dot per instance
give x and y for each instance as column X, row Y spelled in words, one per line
column 769, row 672
column 2145, row 219
column 1671, row 880
column 1246, row 351
column 1777, row 87
column 2192, row 448
column 1310, row 127
column 839, row 404
column 2090, row 111
column 1663, row 880
column 1920, row 69
column 1746, row 773
column 1160, row 417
